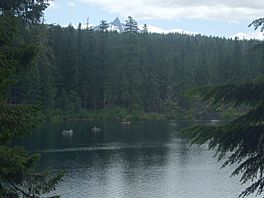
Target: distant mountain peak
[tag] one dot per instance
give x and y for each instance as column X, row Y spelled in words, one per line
column 116, row 25
column 116, row 21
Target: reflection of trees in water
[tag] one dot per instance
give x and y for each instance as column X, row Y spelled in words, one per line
column 182, row 143
column 183, row 151
column 136, row 132
column 67, row 160
column 143, row 164
column 49, row 135
column 136, row 150
column 156, row 162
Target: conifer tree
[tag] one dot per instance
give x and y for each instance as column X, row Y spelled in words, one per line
column 103, row 26
column 164, row 66
column 131, row 25
column 17, row 175
column 241, row 141
column 145, row 29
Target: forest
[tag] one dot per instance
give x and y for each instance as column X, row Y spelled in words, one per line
column 80, row 69
column 50, row 70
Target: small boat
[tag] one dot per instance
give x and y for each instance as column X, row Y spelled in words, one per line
column 214, row 121
column 96, row 130
column 67, row 132
column 126, row 122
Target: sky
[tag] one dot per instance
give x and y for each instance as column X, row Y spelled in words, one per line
column 223, row 18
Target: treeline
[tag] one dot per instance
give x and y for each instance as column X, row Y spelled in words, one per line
column 80, row 69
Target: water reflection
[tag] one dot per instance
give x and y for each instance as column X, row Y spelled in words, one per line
column 143, row 159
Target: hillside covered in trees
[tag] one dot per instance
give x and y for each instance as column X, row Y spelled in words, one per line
column 81, row 69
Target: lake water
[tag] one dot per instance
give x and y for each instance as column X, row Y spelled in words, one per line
column 140, row 160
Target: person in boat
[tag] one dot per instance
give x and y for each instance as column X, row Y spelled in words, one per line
column 126, row 122
column 96, row 130
column 67, row 132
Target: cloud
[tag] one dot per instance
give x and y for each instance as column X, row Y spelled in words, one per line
column 71, row 4
column 155, row 29
column 241, row 35
column 76, row 25
column 249, row 35
column 227, row 10
column 53, row 5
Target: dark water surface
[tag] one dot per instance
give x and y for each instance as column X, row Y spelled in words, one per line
column 143, row 159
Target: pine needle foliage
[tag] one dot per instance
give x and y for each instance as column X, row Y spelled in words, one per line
column 258, row 23
column 18, row 178
column 241, row 141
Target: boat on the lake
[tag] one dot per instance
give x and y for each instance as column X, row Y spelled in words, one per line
column 67, row 132
column 96, row 130
column 126, row 122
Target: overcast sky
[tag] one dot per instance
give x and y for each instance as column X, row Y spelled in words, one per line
column 219, row 17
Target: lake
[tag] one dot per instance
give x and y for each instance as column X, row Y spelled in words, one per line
column 142, row 159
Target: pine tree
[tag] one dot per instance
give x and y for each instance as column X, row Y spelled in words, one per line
column 17, row 175
column 241, row 141
column 131, row 25
column 29, row 11
column 44, row 62
column 103, row 26
column 100, row 68
column 145, row 29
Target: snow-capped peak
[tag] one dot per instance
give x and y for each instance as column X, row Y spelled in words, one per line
column 115, row 25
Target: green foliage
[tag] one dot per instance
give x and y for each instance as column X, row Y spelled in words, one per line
column 131, row 25
column 28, row 11
column 229, row 113
column 16, row 121
column 103, row 26
column 113, row 113
column 14, row 56
column 241, row 140
column 234, row 94
column 82, row 70
column 18, row 178
column 258, row 23
column 145, row 29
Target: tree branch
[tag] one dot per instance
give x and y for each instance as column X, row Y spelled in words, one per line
column 20, row 190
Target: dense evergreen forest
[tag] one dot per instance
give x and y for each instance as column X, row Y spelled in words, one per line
column 81, row 69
